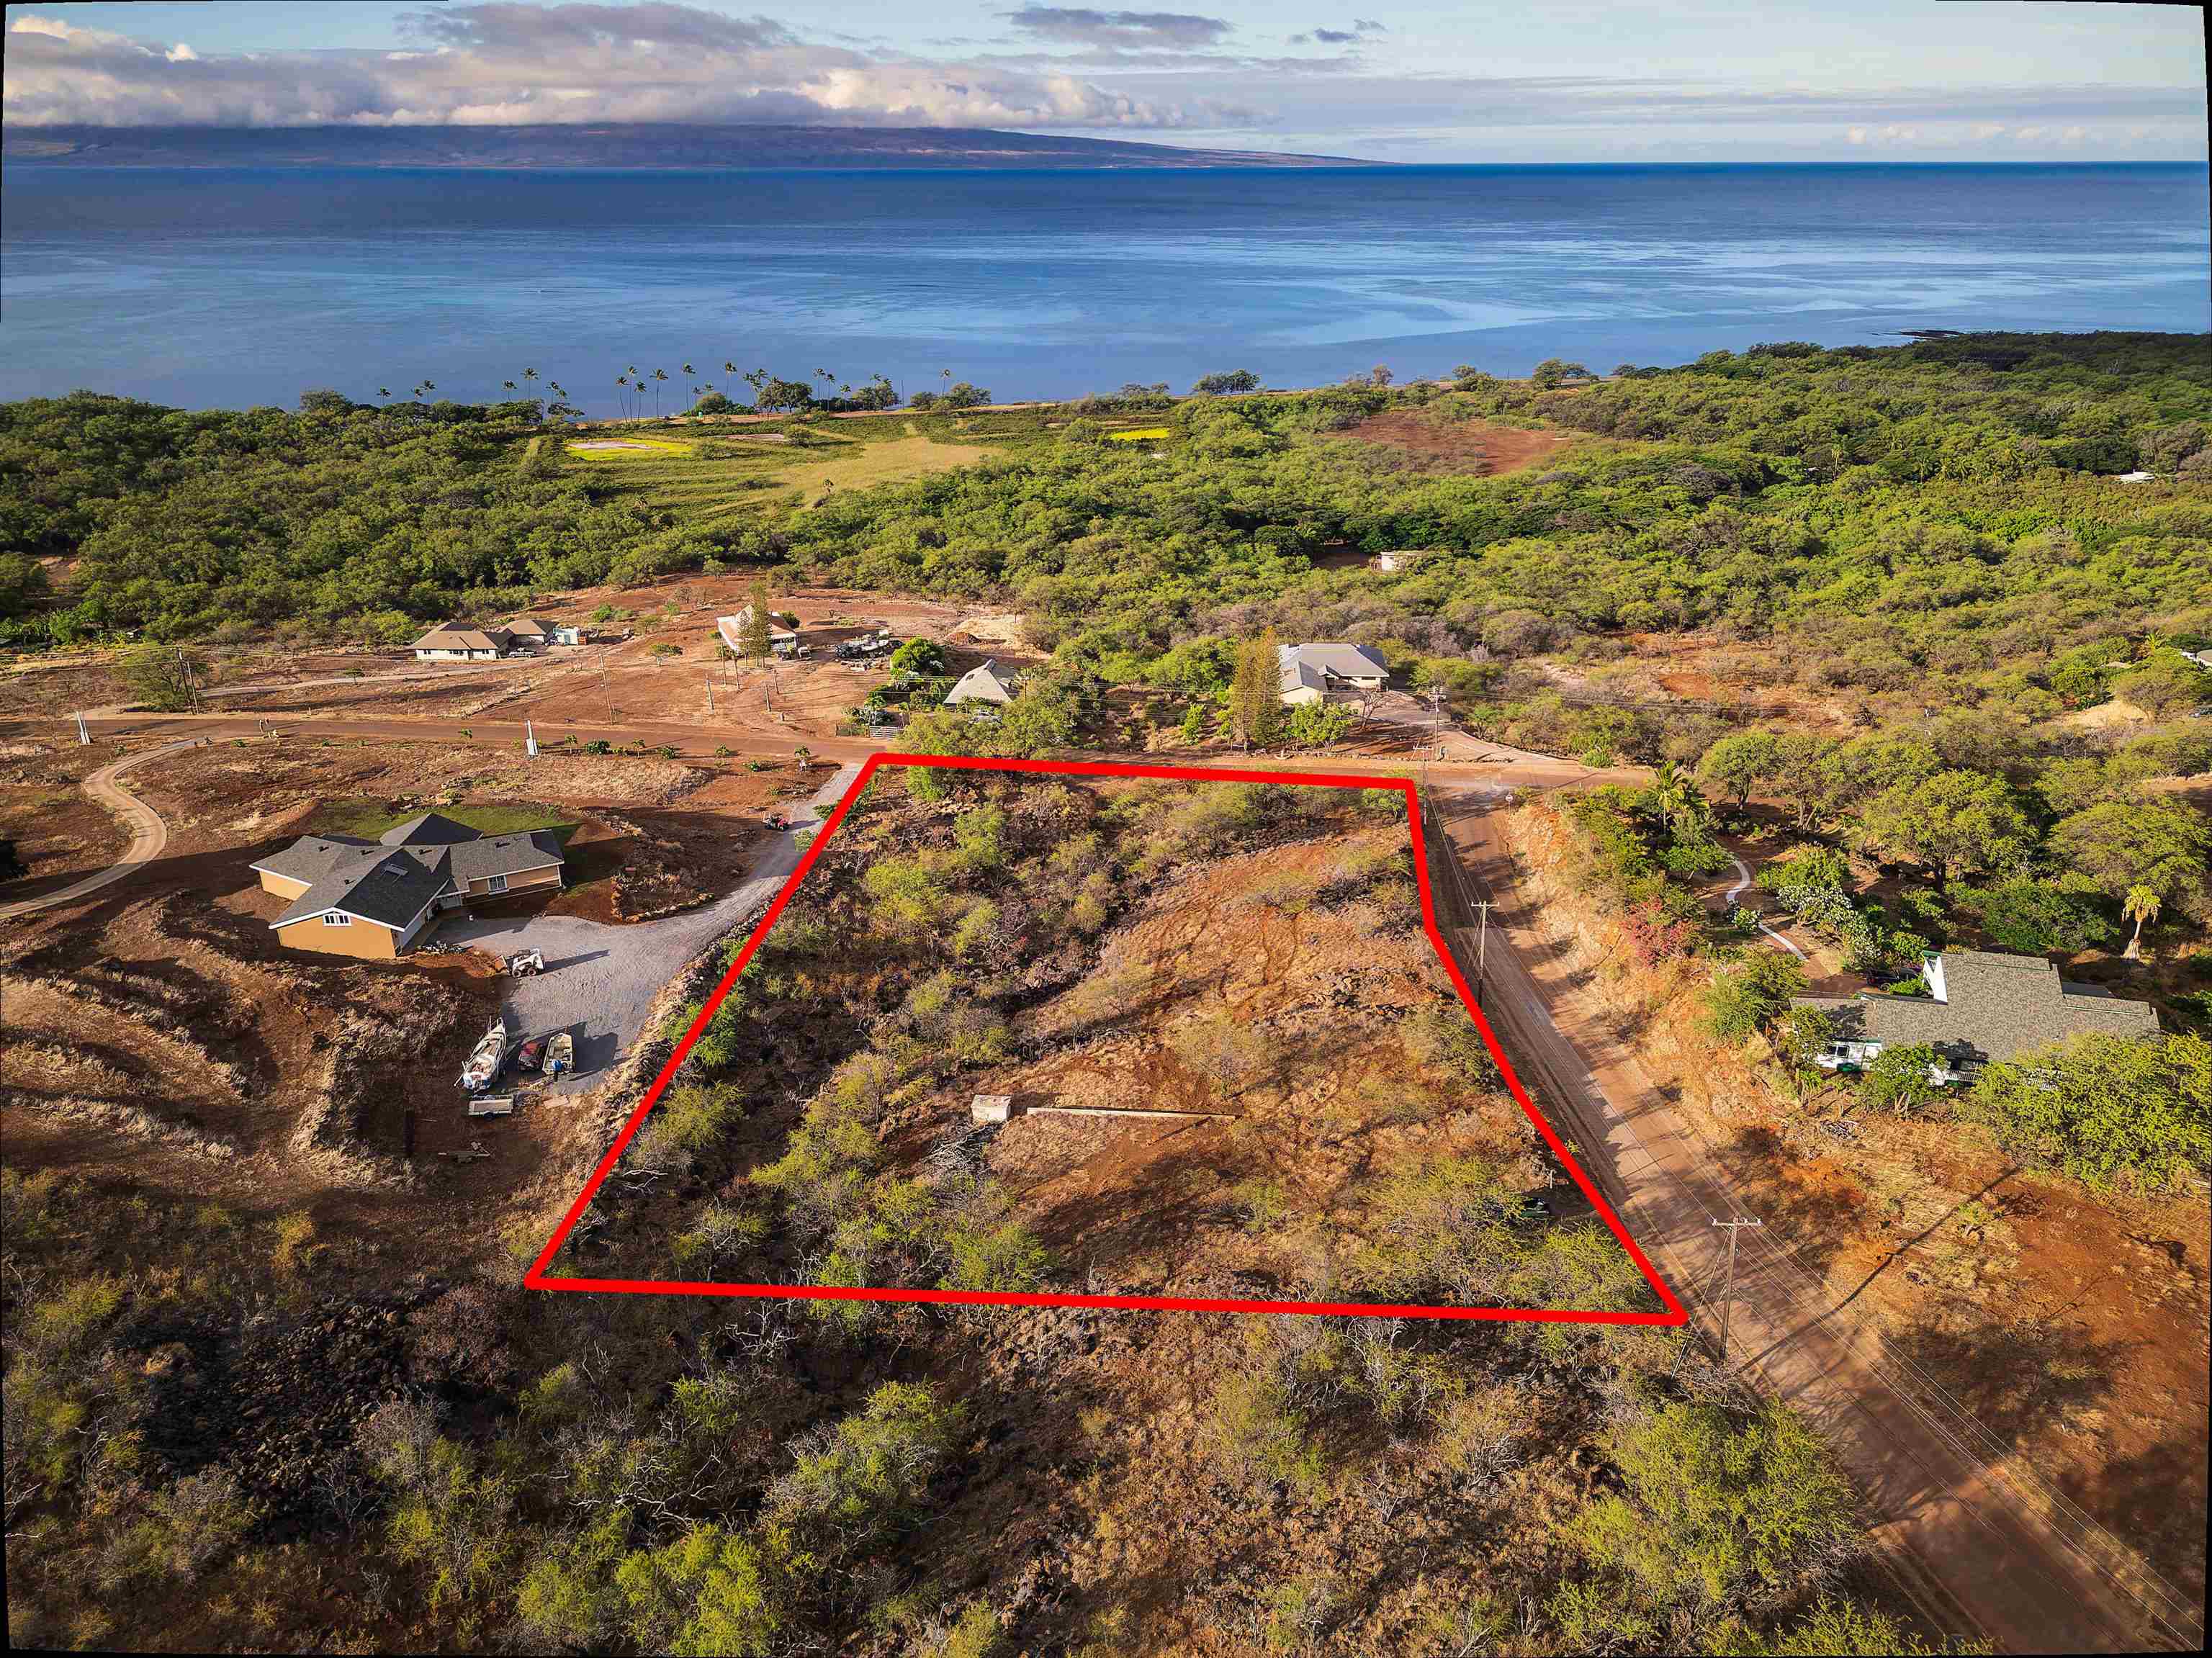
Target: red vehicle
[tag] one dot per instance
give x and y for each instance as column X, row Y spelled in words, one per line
column 527, row 1056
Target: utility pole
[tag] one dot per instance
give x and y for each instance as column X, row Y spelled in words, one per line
column 1727, row 1293
column 1437, row 720
column 710, row 697
column 84, row 737
column 1482, row 942
column 530, row 737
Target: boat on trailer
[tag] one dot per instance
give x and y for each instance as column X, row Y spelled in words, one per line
column 484, row 1063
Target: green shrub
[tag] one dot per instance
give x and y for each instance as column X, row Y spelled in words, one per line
column 2103, row 1108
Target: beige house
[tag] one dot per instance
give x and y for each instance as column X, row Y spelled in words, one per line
column 1311, row 673
column 532, row 630
column 781, row 639
column 452, row 644
column 374, row 898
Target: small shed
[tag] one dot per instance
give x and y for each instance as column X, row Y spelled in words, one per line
column 991, row 1108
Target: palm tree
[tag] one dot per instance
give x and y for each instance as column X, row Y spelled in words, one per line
column 1670, row 793
column 688, row 369
column 383, row 390
column 530, row 373
column 509, row 385
column 2140, row 906
column 729, row 369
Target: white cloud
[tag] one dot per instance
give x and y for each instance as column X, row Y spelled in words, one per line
column 504, row 64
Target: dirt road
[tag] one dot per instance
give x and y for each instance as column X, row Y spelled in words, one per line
column 1981, row 1545
column 148, row 833
column 1469, row 760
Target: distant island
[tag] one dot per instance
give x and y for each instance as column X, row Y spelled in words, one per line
column 662, row 147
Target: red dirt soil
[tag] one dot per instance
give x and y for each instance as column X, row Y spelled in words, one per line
column 1463, row 446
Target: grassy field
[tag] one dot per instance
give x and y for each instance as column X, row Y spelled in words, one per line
column 366, row 819
column 765, row 469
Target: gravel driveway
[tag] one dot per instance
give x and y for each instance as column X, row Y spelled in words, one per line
column 600, row 980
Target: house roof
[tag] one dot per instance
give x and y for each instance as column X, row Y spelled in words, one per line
column 733, row 628
column 980, row 684
column 1993, row 1007
column 1316, row 666
column 451, row 638
column 390, row 886
column 430, row 828
column 530, row 627
column 310, row 857
column 390, row 880
column 503, row 854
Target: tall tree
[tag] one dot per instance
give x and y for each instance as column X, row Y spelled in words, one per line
column 1255, row 691
column 2141, row 905
column 754, row 642
column 1953, row 823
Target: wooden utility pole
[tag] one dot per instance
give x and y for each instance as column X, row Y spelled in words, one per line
column 1728, row 1292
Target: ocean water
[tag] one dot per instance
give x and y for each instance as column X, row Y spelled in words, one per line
column 231, row 287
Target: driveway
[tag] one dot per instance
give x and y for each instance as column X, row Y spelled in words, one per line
column 600, row 980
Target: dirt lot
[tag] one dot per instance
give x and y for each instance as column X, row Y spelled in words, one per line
column 1477, row 446
column 1326, row 1096
column 1285, row 998
column 2070, row 1324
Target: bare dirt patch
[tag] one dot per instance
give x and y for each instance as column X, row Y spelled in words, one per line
column 1477, row 446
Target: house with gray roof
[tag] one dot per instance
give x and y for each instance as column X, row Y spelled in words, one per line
column 982, row 688
column 1311, row 673
column 451, row 643
column 374, row 898
column 1980, row 1007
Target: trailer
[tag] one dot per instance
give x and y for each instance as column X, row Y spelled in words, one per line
column 492, row 1105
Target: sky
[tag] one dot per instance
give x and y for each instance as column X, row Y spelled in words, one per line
column 1562, row 80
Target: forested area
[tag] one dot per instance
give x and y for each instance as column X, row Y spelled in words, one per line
column 346, row 522
column 1929, row 509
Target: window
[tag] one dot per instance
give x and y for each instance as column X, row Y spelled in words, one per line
column 497, row 884
column 338, row 918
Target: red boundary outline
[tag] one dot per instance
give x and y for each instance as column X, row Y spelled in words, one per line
column 535, row 1278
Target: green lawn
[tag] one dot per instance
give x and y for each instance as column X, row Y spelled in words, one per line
column 366, row 819
column 720, row 471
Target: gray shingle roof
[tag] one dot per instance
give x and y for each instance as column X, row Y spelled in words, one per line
column 1994, row 1008
column 390, row 880
column 502, row 855
column 431, row 829
column 310, row 857
column 378, row 883
column 1315, row 666
column 980, row 684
